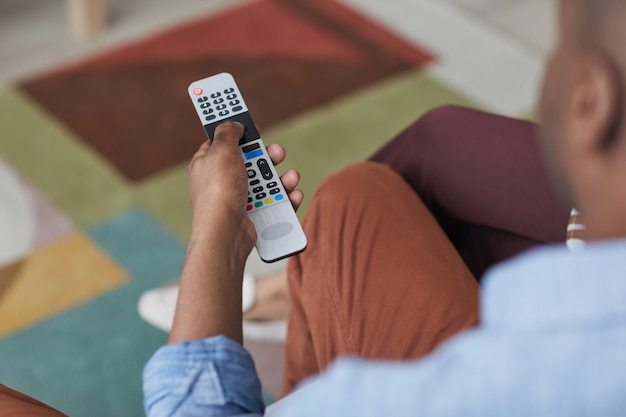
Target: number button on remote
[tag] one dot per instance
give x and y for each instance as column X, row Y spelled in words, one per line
column 218, row 101
column 224, row 113
column 216, row 95
column 257, row 190
column 207, row 111
column 229, row 90
column 231, row 96
column 202, row 99
column 221, row 107
column 205, row 105
column 234, row 102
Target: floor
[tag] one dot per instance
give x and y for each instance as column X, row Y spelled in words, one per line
column 488, row 56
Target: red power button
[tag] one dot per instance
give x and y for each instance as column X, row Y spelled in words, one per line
column 197, row 91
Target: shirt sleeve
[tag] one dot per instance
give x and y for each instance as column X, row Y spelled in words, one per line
column 211, row 377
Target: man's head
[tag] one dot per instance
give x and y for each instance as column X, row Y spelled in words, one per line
column 584, row 115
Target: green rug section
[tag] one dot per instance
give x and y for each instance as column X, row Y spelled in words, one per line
column 72, row 176
column 319, row 142
column 88, row 361
column 166, row 197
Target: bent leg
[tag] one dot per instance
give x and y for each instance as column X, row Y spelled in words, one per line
column 484, row 179
column 379, row 279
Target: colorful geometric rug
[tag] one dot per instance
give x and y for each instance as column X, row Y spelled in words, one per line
column 93, row 192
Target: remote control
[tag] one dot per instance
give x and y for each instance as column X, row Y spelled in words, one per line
column 217, row 99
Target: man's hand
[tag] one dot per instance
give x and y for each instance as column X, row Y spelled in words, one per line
column 218, row 183
column 218, row 179
column 222, row 236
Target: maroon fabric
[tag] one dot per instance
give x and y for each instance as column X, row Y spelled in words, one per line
column 484, row 178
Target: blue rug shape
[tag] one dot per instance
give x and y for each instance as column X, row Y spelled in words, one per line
column 88, row 361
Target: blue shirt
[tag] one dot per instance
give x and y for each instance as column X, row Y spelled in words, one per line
column 551, row 342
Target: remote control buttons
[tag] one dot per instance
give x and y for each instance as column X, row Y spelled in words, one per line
column 264, row 167
column 272, row 184
column 218, row 101
column 237, row 108
column 197, row 91
column 260, row 196
column 216, row 95
column 234, row 103
column 229, row 90
column 258, row 204
column 221, row 107
column 255, row 182
column 224, row 113
column 251, row 173
column 231, row 96
column 205, row 105
column 278, row 197
column 248, row 164
column 207, row 111
column 210, row 117
column 202, row 99
column 274, row 191
column 249, row 207
column 257, row 189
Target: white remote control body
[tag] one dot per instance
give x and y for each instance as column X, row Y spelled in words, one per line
column 217, row 99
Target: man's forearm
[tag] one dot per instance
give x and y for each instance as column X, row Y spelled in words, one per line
column 209, row 301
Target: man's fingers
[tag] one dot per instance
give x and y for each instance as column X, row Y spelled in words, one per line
column 290, row 180
column 228, row 132
column 199, row 153
column 277, row 153
column 296, row 198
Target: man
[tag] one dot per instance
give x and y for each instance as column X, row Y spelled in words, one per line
column 552, row 333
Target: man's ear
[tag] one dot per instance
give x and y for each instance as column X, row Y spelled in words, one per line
column 595, row 105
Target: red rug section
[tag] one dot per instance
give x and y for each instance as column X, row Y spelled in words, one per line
column 288, row 56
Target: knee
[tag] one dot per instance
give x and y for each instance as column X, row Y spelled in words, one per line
column 441, row 121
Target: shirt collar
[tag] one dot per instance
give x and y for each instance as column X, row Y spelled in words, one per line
column 550, row 287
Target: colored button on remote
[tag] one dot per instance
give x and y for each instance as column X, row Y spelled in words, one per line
column 254, row 154
column 258, row 204
column 278, row 197
column 269, row 200
column 249, row 207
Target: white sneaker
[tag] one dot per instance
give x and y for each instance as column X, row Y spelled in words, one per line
column 157, row 307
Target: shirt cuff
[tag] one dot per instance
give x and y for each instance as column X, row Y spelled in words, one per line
column 214, row 376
